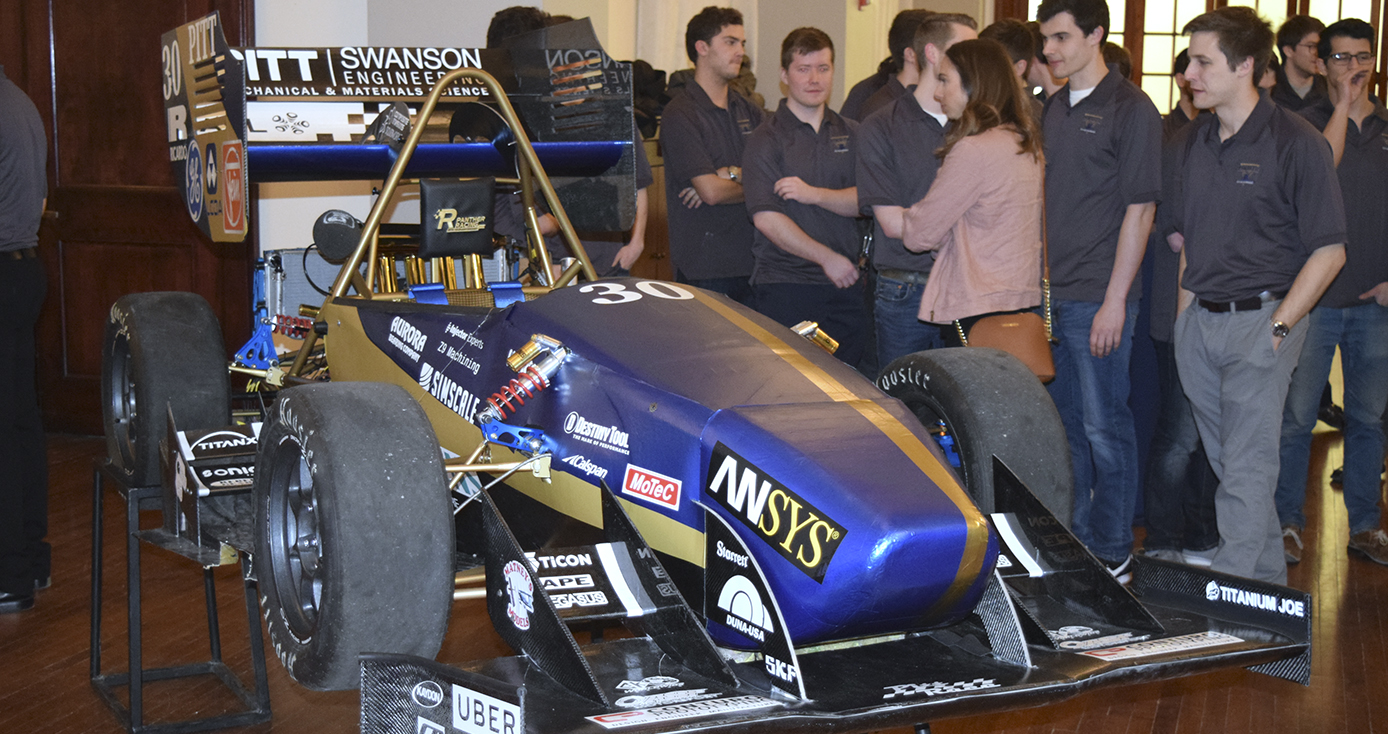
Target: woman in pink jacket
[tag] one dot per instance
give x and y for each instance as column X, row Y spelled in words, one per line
column 982, row 215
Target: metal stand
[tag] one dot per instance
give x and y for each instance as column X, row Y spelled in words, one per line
column 256, row 702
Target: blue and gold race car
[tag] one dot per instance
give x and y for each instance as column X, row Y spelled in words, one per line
column 786, row 542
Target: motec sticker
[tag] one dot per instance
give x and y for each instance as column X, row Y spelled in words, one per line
column 651, row 487
column 793, row 527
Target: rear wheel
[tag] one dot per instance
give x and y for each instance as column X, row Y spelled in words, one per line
column 354, row 530
column 988, row 403
column 163, row 351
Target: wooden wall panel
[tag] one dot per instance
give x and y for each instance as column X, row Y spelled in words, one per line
column 115, row 224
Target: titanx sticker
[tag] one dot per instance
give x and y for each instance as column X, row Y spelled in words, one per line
column 649, row 683
column 794, row 528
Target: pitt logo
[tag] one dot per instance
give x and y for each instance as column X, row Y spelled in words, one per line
column 1091, row 123
column 794, row 528
column 840, row 143
column 450, row 222
column 744, row 126
column 1248, row 174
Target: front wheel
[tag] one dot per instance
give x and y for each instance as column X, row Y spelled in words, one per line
column 354, row 530
column 985, row 402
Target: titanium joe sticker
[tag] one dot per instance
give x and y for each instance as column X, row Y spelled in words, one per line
column 793, row 527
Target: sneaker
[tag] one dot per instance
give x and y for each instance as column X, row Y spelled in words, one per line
column 1332, row 415
column 1372, row 543
column 1122, row 570
column 43, row 583
column 1201, row 558
column 1165, row 554
column 1291, row 543
column 10, row 603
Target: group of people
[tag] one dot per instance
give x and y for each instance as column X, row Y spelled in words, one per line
column 1250, row 208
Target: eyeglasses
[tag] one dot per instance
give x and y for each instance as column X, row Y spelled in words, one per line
column 1364, row 58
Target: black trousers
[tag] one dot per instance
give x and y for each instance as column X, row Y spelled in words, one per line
column 841, row 312
column 24, row 556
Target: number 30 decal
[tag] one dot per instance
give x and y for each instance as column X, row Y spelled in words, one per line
column 612, row 293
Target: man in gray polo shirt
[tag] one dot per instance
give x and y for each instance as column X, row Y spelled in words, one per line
column 903, row 60
column 1353, row 313
column 1103, row 178
column 1299, row 83
column 24, row 556
column 802, row 197
column 896, row 166
column 703, row 131
column 1257, row 214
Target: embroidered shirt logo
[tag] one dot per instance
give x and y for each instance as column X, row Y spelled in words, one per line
column 839, row 143
column 744, row 126
column 1091, row 123
column 1248, row 174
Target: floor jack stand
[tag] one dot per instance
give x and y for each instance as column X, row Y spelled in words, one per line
column 256, row 702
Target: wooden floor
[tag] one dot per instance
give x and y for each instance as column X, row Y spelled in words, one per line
column 44, row 652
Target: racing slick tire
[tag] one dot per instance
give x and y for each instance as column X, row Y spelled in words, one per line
column 354, row 530
column 162, row 351
column 992, row 405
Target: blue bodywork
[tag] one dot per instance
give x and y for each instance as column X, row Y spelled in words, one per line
column 843, row 497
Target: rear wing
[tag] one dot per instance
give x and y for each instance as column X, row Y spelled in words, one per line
column 256, row 114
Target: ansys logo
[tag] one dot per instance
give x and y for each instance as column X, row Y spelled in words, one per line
column 794, row 528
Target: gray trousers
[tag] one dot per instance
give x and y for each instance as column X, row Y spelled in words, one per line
column 1237, row 385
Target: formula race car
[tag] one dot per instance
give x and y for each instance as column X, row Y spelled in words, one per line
column 785, row 542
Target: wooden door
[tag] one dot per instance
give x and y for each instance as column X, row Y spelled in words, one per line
column 115, row 224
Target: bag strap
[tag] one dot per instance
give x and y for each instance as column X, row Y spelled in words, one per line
column 1045, row 262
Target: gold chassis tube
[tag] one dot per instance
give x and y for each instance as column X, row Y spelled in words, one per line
column 531, row 174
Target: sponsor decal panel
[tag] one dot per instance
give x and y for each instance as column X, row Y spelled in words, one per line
column 610, row 438
column 405, row 337
column 664, row 699
column 677, row 711
column 455, row 397
column 744, row 609
column 562, row 560
column 1255, row 600
column 478, row 713
column 520, row 595
column 559, row 583
column 234, row 213
column 427, row 693
column 652, row 487
column 1165, row 646
column 650, row 683
column 794, row 528
column 580, row 599
column 425, row 726
column 1072, row 632
column 1105, row 641
column 938, row 688
column 581, row 463
column 468, row 338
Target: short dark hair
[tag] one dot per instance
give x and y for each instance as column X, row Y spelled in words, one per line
column 1181, row 63
column 1014, row 36
column 514, row 21
column 1346, row 28
column 1115, row 54
column 903, row 32
column 1294, row 29
column 1038, row 39
column 805, row 40
column 706, row 24
column 1242, row 34
column 936, row 30
column 1088, row 14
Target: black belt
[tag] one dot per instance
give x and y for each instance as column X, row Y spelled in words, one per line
column 905, row 276
column 1247, row 304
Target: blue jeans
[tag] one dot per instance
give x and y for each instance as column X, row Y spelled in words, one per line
column 1361, row 332
column 1091, row 394
column 1180, row 485
column 899, row 330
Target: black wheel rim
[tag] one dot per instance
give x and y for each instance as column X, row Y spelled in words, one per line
column 124, row 407
column 935, row 420
column 295, row 557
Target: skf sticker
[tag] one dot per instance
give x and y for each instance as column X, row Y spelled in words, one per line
column 793, row 527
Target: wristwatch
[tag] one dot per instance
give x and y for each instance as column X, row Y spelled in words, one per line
column 735, row 174
column 1280, row 329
